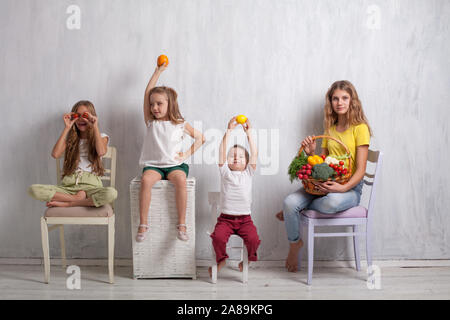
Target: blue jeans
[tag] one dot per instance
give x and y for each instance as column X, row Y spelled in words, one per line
column 327, row 204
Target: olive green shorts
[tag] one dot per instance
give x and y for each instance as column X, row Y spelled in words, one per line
column 165, row 171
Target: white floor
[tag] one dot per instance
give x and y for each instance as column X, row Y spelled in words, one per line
column 272, row 283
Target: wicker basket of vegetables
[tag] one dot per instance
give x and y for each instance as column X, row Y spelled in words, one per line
column 312, row 170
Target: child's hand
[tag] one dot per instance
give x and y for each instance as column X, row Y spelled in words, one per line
column 309, row 145
column 247, row 125
column 92, row 120
column 181, row 156
column 161, row 68
column 68, row 120
column 232, row 123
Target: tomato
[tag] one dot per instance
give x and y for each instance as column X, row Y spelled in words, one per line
column 341, row 163
column 85, row 115
column 74, row 116
column 324, row 156
column 345, row 171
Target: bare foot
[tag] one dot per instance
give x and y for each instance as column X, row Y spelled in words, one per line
column 219, row 266
column 292, row 258
column 51, row 204
column 81, row 195
column 280, row 216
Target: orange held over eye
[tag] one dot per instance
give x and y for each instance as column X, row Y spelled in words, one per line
column 162, row 59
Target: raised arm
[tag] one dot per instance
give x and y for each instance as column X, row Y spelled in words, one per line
column 101, row 143
column 223, row 145
column 151, row 84
column 60, row 145
column 253, row 149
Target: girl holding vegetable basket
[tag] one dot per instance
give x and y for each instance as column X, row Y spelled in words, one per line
column 344, row 120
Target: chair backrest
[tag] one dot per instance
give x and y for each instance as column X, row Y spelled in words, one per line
column 213, row 200
column 110, row 173
column 371, row 179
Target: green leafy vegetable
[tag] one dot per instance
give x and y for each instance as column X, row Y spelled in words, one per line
column 296, row 165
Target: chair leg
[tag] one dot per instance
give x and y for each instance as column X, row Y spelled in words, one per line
column 111, row 249
column 299, row 259
column 368, row 247
column 245, row 264
column 356, row 248
column 63, row 246
column 45, row 249
column 213, row 266
column 310, row 250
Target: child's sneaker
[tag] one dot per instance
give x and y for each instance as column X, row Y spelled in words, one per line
column 182, row 235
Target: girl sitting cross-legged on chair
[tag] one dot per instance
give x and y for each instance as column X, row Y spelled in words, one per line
column 236, row 170
column 83, row 146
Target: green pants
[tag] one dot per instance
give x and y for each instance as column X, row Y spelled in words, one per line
column 88, row 182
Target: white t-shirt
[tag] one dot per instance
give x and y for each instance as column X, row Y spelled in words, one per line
column 84, row 163
column 162, row 142
column 236, row 190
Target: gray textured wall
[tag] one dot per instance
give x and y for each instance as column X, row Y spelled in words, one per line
column 271, row 60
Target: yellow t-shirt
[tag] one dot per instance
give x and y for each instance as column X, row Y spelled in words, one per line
column 353, row 137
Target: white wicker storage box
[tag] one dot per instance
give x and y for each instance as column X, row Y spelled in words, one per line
column 161, row 254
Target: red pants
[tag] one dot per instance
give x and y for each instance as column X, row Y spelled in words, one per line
column 242, row 226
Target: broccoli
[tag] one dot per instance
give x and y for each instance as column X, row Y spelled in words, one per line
column 322, row 171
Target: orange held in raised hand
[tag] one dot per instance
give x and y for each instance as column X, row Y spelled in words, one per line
column 163, row 60
column 241, row 119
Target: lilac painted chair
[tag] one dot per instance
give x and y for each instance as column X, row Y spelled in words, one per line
column 356, row 216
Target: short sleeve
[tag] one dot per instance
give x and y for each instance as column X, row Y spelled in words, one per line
column 224, row 170
column 103, row 135
column 362, row 135
column 325, row 141
column 250, row 170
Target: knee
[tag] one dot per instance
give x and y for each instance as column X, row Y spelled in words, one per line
column 288, row 204
column 292, row 204
column 33, row 191
column 179, row 181
column 147, row 180
column 330, row 204
column 218, row 239
column 110, row 194
column 253, row 240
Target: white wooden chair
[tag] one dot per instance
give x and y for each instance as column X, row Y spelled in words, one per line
column 235, row 242
column 58, row 217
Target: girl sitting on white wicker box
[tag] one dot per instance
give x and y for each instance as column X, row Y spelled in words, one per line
column 161, row 156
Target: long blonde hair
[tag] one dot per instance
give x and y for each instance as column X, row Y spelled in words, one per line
column 72, row 153
column 173, row 110
column 355, row 114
